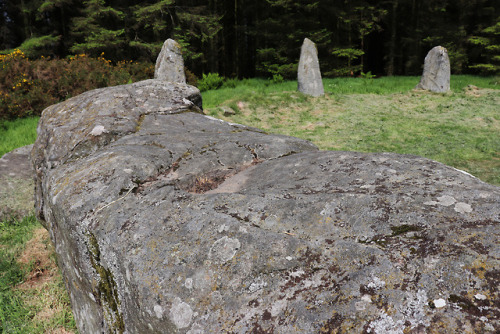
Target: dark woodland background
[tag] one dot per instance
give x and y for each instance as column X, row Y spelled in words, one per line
column 261, row 38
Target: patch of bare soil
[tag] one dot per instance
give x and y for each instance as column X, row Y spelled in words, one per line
column 39, row 286
column 472, row 90
column 60, row 330
column 37, row 256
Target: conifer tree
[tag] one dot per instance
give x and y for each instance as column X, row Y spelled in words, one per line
column 488, row 42
column 99, row 29
column 55, row 17
column 154, row 22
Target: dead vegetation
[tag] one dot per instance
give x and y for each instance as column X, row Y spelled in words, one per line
column 43, row 290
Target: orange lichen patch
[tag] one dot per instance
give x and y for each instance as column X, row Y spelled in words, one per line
column 37, row 256
column 480, row 266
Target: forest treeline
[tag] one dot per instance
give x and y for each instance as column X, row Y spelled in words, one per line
column 238, row 38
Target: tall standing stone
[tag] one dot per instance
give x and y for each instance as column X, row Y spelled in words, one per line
column 309, row 75
column 436, row 76
column 169, row 64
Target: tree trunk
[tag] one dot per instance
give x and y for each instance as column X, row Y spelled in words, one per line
column 236, row 41
column 26, row 25
column 392, row 41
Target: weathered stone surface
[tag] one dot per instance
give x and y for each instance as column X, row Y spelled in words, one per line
column 170, row 64
column 16, row 184
column 436, row 75
column 309, row 74
column 175, row 222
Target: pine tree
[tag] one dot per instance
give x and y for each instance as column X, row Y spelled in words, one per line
column 154, row 22
column 100, row 29
column 359, row 20
column 282, row 31
column 489, row 42
column 54, row 17
column 198, row 26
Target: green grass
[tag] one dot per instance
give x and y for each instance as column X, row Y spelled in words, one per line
column 459, row 128
column 17, row 133
column 19, row 307
column 13, row 236
column 247, row 88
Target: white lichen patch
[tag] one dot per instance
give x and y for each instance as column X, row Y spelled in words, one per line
column 439, row 303
column 181, row 313
column 414, row 310
column 278, row 307
column 158, row 311
column 257, row 285
column 446, row 200
column 98, row 130
column 330, row 209
column 297, row 273
column 385, row 325
column 376, row 283
column 361, row 304
column 461, row 207
column 224, row 249
column 222, row 228
column 188, row 283
column 443, row 200
column 480, row 296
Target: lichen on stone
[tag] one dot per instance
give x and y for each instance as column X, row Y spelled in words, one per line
column 106, row 290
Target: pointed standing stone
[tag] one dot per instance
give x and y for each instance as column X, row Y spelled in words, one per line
column 309, row 75
column 436, row 76
column 169, row 64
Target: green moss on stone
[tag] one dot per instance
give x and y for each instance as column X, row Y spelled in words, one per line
column 402, row 229
column 106, row 288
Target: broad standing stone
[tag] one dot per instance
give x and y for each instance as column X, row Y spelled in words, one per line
column 309, row 75
column 169, row 64
column 436, row 76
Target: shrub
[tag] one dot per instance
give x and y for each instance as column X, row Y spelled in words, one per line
column 230, row 83
column 367, row 75
column 29, row 86
column 277, row 78
column 210, row 81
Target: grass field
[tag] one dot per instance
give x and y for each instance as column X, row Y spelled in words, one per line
column 460, row 128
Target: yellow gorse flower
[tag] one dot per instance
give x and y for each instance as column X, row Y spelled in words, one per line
column 13, row 55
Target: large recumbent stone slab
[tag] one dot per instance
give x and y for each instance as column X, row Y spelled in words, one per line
column 169, row 221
